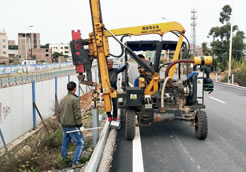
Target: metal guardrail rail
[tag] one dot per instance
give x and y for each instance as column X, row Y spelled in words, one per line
column 22, row 69
column 21, row 79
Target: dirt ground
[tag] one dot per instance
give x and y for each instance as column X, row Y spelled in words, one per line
column 41, row 151
column 220, row 76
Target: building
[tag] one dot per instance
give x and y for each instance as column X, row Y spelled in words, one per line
column 4, row 55
column 13, row 54
column 27, row 41
column 42, row 55
column 61, row 48
column 3, row 44
column 11, row 42
column 198, row 51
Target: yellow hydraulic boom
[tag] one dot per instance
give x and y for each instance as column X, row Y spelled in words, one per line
column 98, row 45
column 99, row 48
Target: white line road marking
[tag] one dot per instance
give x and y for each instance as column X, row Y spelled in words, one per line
column 131, row 85
column 217, row 100
column 137, row 156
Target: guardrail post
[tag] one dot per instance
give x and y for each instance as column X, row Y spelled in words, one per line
column 4, row 143
column 216, row 77
column 68, row 77
column 78, row 87
column 95, row 75
column 232, row 79
column 56, row 87
column 33, row 102
column 95, row 124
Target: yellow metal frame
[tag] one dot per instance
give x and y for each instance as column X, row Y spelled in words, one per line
column 153, row 85
column 159, row 28
column 176, row 55
column 98, row 46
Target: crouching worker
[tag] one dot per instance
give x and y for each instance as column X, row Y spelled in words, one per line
column 71, row 123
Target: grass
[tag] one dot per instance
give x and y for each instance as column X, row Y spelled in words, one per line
column 42, row 157
column 239, row 71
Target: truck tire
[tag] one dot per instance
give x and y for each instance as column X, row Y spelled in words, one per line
column 130, row 125
column 201, row 127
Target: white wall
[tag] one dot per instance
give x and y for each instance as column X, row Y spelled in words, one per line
column 16, row 111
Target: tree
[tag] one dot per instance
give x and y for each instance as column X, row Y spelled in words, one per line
column 221, row 39
column 56, row 55
column 13, row 47
column 206, row 51
column 45, row 46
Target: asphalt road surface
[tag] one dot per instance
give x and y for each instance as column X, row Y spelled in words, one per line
column 172, row 146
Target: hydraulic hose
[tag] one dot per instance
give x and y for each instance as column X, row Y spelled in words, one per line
column 163, row 93
column 188, row 48
column 119, row 41
column 177, row 61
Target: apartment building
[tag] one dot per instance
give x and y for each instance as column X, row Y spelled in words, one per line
column 26, row 42
column 61, row 48
column 4, row 54
column 11, row 42
column 3, row 44
column 42, row 55
column 199, row 51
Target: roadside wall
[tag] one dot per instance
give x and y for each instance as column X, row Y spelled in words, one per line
column 10, row 69
column 16, row 104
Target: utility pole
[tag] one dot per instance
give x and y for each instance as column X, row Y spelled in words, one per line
column 193, row 26
column 230, row 48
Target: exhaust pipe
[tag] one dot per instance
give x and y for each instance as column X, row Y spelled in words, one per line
column 161, row 117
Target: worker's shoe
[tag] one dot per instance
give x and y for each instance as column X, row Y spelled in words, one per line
column 115, row 119
column 77, row 165
column 109, row 119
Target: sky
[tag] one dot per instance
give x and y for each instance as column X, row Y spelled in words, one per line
column 54, row 19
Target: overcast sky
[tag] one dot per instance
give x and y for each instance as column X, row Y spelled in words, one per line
column 54, row 19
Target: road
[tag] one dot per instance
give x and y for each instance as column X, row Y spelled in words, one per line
column 173, row 146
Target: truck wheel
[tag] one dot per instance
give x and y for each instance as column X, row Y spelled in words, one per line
column 201, row 127
column 130, row 125
column 122, row 115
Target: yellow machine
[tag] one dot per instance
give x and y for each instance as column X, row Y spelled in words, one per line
column 155, row 99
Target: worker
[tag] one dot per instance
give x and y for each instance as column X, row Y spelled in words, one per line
column 71, row 122
column 142, row 72
column 113, row 74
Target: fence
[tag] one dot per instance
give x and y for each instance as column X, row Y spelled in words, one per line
column 17, row 115
column 20, row 79
column 11, row 69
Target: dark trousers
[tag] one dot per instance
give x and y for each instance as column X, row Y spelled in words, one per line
column 114, row 101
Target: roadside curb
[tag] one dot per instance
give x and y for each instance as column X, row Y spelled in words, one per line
column 232, row 86
column 107, row 157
